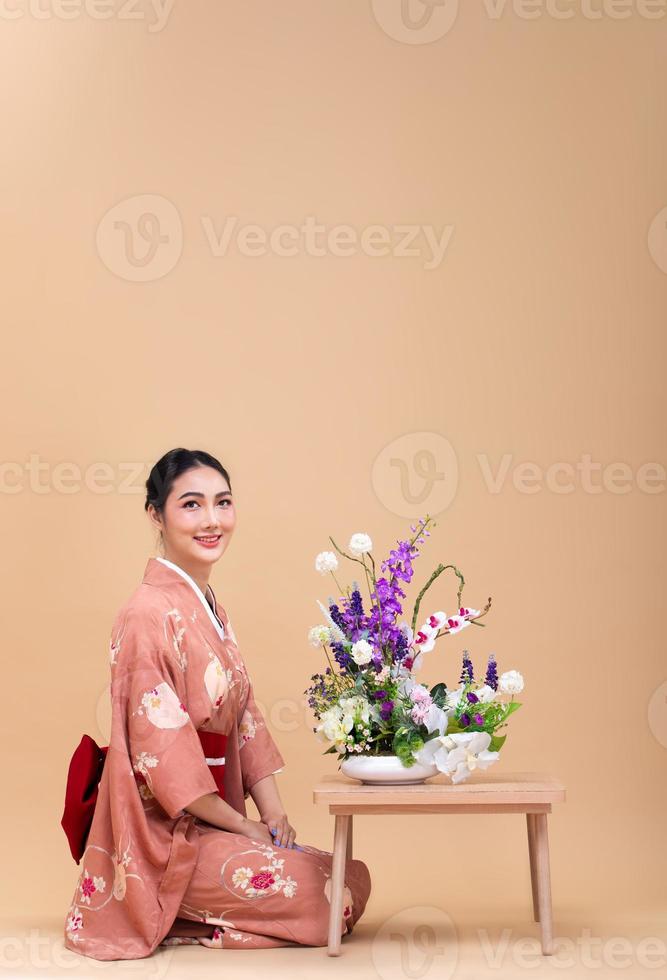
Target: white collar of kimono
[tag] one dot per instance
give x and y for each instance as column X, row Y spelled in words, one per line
column 211, row 615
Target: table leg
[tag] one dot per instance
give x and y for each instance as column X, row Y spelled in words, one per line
column 348, row 857
column 543, row 880
column 337, row 882
column 530, row 821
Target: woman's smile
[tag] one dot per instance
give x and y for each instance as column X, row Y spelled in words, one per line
column 208, row 540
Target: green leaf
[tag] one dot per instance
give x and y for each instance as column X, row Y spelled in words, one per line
column 453, row 727
column 496, row 743
column 439, row 693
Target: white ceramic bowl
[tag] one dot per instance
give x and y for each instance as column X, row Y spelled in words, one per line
column 386, row 770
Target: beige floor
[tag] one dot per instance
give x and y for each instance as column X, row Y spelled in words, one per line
column 410, row 944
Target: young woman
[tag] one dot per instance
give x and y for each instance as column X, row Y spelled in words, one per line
column 171, row 856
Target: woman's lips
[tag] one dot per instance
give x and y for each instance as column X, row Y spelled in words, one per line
column 208, row 542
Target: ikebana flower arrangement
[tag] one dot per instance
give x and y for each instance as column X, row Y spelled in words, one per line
column 385, row 726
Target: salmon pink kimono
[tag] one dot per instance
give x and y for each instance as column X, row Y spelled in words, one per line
column 153, row 874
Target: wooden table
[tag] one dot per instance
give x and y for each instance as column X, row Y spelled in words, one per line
column 482, row 792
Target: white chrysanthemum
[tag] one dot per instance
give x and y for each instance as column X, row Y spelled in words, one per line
column 511, row 682
column 362, row 652
column 325, row 562
column 318, row 636
column 360, row 544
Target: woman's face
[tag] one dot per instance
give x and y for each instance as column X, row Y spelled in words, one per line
column 198, row 518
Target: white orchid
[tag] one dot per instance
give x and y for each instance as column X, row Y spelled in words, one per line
column 485, row 694
column 455, row 624
column 424, row 639
column 511, row 682
column 437, row 620
column 452, row 698
column 362, row 652
column 436, row 719
column 459, row 754
column 325, row 562
column 360, row 544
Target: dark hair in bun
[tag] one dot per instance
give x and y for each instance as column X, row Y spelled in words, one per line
column 171, row 466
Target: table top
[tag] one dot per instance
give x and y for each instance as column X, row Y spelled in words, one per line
column 482, row 788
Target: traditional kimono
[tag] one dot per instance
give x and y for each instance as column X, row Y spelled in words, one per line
column 153, row 874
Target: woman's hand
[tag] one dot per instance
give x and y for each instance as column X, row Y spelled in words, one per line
column 256, row 830
column 282, row 830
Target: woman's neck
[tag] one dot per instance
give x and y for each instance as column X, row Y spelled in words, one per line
column 198, row 575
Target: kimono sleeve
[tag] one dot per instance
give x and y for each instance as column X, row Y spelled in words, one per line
column 165, row 753
column 258, row 752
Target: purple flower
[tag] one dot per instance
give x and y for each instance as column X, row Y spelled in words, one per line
column 492, row 673
column 472, row 698
column 478, row 719
column 465, row 719
column 386, row 709
column 466, row 670
column 341, row 656
column 380, row 694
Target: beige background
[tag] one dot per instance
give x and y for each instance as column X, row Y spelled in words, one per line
column 539, row 337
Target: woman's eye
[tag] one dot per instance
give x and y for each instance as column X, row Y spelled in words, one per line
column 188, row 502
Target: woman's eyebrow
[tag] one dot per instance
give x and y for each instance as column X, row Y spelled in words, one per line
column 196, row 493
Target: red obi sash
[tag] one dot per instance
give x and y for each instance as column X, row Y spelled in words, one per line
column 85, row 772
